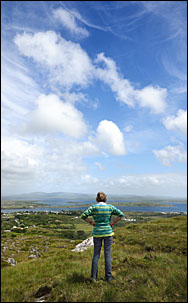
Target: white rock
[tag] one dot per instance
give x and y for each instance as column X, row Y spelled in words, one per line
column 12, row 261
column 84, row 245
column 32, row 256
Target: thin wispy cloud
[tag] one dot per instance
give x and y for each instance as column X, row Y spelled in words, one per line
column 174, row 20
column 76, row 15
column 68, row 20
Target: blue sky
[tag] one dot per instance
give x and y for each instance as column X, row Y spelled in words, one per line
column 94, row 97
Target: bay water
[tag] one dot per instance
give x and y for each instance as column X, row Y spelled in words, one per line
column 63, row 203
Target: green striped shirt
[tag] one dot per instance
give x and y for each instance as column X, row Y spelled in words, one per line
column 102, row 213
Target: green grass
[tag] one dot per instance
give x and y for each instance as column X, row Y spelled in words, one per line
column 148, row 262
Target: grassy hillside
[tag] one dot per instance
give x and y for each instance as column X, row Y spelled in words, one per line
column 148, row 262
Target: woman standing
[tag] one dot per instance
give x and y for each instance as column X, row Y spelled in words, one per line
column 102, row 231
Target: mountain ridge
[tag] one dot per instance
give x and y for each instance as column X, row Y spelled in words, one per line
column 71, row 195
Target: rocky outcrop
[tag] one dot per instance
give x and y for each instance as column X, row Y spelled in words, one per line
column 84, row 245
column 35, row 252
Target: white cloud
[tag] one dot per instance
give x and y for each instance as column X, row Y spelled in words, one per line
column 63, row 162
column 109, row 137
column 63, row 158
column 20, row 161
column 123, row 89
column 170, row 154
column 169, row 184
column 71, row 149
column 57, row 164
column 88, row 179
column 154, row 184
column 70, row 65
column 74, row 97
column 151, row 97
column 17, row 109
column 67, row 62
column 178, row 122
column 43, row 163
column 53, row 115
column 67, row 18
column 140, row 180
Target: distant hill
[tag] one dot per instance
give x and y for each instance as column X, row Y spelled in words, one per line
column 89, row 197
column 43, row 195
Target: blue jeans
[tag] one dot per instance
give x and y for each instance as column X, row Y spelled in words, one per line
column 107, row 255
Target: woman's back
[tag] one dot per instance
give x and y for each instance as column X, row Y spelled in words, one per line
column 102, row 214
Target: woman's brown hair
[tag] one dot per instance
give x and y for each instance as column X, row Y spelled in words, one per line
column 101, row 197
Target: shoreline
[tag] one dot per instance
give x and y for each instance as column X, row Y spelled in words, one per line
column 16, row 206
column 78, row 205
column 24, row 211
